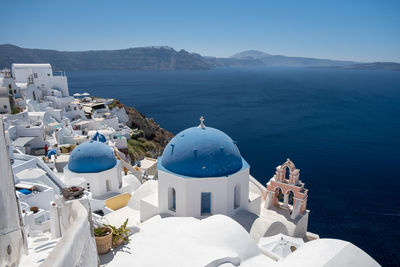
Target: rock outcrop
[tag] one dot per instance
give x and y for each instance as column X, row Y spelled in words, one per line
column 151, row 130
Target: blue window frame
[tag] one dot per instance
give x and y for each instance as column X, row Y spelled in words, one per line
column 205, row 203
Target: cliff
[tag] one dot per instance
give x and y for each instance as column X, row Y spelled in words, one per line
column 139, row 58
column 150, row 139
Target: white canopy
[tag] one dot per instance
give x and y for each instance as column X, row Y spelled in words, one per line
column 77, row 94
column 86, row 94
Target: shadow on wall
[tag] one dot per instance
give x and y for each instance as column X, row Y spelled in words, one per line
column 276, row 228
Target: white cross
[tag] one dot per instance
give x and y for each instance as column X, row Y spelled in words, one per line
column 202, row 122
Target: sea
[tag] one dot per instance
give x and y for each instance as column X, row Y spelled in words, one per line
column 341, row 128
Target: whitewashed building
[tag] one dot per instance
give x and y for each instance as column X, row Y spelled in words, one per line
column 202, row 173
column 5, row 107
column 96, row 163
column 43, row 78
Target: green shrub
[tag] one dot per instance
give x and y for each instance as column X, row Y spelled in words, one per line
column 139, row 148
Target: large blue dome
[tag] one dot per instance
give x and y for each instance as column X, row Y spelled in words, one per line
column 202, row 152
column 93, row 156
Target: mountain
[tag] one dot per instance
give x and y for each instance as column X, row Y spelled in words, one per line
column 250, row 54
column 140, row 58
column 374, row 66
column 233, row 62
column 165, row 58
column 254, row 58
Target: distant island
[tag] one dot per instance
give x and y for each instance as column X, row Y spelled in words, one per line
column 167, row 58
column 374, row 66
column 258, row 58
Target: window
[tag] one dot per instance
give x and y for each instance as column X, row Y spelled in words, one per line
column 205, row 203
column 5, row 106
column 172, row 199
column 236, row 196
column 108, row 186
column 35, row 75
column 15, row 91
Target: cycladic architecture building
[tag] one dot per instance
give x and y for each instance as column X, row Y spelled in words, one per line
column 95, row 162
column 42, row 76
column 202, row 173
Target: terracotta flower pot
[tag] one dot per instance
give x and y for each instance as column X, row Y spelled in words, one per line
column 118, row 242
column 103, row 243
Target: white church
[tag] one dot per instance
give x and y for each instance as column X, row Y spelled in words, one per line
column 201, row 173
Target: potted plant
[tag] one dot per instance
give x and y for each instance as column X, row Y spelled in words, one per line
column 120, row 234
column 34, row 209
column 103, row 237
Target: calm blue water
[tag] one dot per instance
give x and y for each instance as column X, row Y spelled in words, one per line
column 340, row 127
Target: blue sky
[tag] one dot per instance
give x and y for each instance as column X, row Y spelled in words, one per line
column 363, row 30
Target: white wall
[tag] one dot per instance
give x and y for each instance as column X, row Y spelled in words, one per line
column 41, row 199
column 60, row 83
column 42, row 77
column 11, row 231
column 22, row 71
column 5, row 106
column 121, row 114
column 74, row 111
column 17, row 119
column 63, row 102
column 111, row 122
column 97, row 181
column 77, row 246
column 188, row 193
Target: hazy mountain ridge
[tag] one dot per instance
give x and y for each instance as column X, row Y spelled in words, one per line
column 286, row 61
column 374, row 66
column 140, row 58
column 165, row 58
column 250, row 54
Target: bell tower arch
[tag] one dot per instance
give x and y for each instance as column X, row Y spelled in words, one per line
column 294, row 193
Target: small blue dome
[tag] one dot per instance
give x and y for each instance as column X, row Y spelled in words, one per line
column 93, row 156
column 202, row 152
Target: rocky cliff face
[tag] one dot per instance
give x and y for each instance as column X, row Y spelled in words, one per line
column 151, row 130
